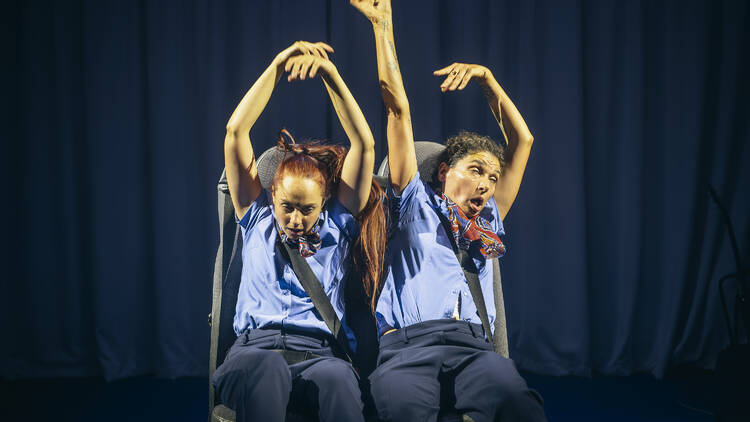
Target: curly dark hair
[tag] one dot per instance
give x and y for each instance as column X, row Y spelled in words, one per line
column 465, row 143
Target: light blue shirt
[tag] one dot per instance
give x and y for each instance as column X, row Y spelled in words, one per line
column 424, row 279
column 270, row 292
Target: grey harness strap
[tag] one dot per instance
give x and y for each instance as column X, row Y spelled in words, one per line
column 320, row 300
column 470, row 272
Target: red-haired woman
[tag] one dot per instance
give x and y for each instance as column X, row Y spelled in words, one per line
column 324, row 202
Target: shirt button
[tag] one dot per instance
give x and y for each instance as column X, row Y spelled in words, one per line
column 285, row 292
column 455, row 291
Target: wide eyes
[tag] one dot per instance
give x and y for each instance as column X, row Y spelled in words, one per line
column 478, row 171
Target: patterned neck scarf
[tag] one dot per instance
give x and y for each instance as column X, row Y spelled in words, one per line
column 308, row 243
column 476, row 229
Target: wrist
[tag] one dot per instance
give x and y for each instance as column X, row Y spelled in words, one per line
column 381, row 23
column 277, row 61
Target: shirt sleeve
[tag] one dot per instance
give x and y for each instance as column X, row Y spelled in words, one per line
column 258, row 209
column 491, row 214
column 343, row 219
column 402, row 204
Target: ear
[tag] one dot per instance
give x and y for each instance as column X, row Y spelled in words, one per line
column 442, row 171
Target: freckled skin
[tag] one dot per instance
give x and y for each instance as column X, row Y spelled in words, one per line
column 297, row 203
column 471, row 182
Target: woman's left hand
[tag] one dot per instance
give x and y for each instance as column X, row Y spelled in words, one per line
column 459, row 75
column 308, row 66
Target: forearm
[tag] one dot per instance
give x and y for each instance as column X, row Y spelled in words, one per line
column 389, row 72
column 350, row 115
column 512, row 124
column 518, row 139
column 356, row 172
column 239, row 159
column 255, row 100
column 401, row 156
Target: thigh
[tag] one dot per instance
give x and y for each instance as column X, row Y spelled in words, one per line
column 328, row 387
column 406, row 387
column 245, row 363
column 489, row 386
column 324, row 373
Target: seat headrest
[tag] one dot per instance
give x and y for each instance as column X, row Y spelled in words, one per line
column 267, row 163
column 427, row 153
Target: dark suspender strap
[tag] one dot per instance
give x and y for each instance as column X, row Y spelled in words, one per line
column 470, row 272
column 322, row 304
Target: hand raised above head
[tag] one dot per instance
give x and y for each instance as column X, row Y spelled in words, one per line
column 319, row 49
column 307, row 66
column 459, row 75
column 374, row 10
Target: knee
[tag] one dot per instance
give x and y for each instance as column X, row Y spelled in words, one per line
column 502, row 376
column 253, row 366
column 333, row 375
column 397, row 397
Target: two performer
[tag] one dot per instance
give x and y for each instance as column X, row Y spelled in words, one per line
column 434, row 350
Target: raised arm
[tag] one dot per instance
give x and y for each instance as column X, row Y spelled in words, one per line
column 239, row 159
column 513, row 127
column 401, row 157
column 356, row 173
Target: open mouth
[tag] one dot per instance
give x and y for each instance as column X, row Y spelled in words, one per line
column 294, row 232
column 476, row 204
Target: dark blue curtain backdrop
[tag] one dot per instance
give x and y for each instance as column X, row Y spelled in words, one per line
column 112, row 147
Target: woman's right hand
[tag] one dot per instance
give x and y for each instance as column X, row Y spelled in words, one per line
column 320, row 49
column 374, row 10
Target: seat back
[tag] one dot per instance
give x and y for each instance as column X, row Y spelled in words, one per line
column 427, row 153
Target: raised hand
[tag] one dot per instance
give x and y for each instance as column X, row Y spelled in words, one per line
column 319, row 49
column 307, row 66
column 374, row 10
column 459, row 75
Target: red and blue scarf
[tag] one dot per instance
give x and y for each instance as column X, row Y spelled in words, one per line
column 308, row 243
column 476, row 229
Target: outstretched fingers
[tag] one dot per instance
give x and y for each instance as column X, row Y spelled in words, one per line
column 444, row 71
column 458, row 75
column 304, row 67
column 461, row 73
column 453, row 72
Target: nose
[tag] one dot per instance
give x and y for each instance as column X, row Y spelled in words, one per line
column 483, row 186
column 295, row 219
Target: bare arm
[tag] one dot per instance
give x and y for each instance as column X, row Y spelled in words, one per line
column 401, row 157
column 356, row 173
column 239, row 159
column 513, row 127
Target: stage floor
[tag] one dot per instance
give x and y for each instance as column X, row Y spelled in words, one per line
column 633, row 398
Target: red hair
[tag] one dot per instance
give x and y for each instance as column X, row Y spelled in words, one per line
column 323, row 164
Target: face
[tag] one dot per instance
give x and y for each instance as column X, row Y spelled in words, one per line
column 297, row 203
column 471, row 182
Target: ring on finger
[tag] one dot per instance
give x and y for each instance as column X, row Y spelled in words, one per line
column 454, row 72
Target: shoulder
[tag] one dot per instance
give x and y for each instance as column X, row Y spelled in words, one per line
column 491, row 215
column 338, row 217
column 416, row 194
column 259, row 209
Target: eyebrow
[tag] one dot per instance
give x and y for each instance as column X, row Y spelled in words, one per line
column 296, row 204
column 484, row 164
